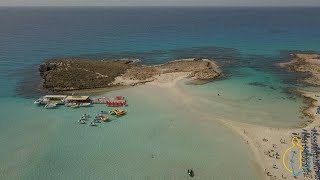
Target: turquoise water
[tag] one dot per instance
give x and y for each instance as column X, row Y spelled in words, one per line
column 160, row 136
column 156, row 139
column 264, row 102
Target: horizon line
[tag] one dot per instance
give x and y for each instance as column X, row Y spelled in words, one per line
column 202, row 6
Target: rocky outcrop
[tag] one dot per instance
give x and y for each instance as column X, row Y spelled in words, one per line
column 43, row 68
column 308, row 64
column 75, row 74
column 66, row 74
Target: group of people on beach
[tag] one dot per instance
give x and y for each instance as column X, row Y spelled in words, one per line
column 306, row 137
column 273, row 153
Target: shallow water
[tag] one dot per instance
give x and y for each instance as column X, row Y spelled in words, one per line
column 250, row 96
column 157, row 138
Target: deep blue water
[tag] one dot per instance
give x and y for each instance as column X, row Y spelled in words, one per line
column 28, row 36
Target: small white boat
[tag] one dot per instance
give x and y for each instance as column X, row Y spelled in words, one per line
column 84, row 104
column 50, row 105
column 103, row 112
column 93, row 123
column 97, row 121
column 75, row 106
column 86, row 116
column 70, row 104
column 81, row 121
column 38, row 101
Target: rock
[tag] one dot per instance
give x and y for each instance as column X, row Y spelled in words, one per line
column 77, row 74
column 46, row 67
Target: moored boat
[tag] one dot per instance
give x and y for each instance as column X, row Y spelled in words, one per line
column 58, row 99
column 38, row 101
column 93, row 123
column 97, row 120
column 81, row 121
column 117, row 112
column 50, row 105
column 105, row 118
column 75, row 106
column 86, row 116
column 99, row 115
column 103, row 112
column 84, row 104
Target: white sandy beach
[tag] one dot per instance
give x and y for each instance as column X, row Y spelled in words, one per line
column 264, row 142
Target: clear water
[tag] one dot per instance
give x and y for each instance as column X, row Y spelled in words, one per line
column 49, row 144
column 249, row 96
column 156, row 139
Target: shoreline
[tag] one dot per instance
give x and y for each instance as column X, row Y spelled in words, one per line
column 263, row 140
column 173, row 87
column 308, row 64
column 252, row 134
column 83, row 75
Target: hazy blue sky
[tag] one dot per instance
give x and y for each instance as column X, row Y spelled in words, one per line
column 160, row 2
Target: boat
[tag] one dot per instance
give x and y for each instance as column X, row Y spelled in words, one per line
column 81, row 121
column 75, row 106
column 70, row 104
column 80, row 100
column 93, row 123
column 116, row 103
column 103, row 112
column 84, row 104
column 50, row 105
column 58, row 99
column 86, row 116
column 96, row 120
column 117, row 112
column 105, row 118
column 119, row 98
column 99, row 115
column 102, row 100
column 38, row 101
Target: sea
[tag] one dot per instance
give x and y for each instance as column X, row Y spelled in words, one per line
column 161, row 136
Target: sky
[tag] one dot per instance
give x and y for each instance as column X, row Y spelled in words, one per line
column 159, row 2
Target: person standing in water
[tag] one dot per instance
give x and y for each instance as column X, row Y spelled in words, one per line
column 190, row 172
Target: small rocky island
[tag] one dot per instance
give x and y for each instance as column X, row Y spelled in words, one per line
column 305, row 63
column 310, row 65
column 79, row 74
